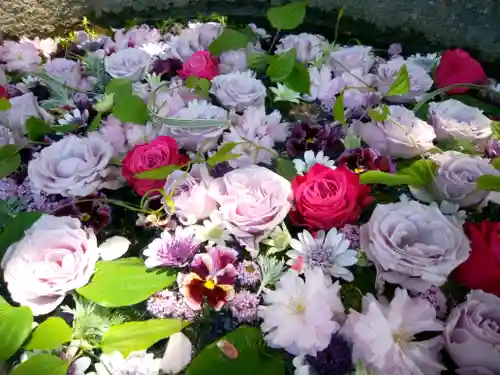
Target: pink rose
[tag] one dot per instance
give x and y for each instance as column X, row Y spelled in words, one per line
column 55, row 256
column 201, row 64
column 253, row 201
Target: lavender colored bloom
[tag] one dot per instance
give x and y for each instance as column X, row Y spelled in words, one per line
column 244, row 306
column 169, row 304
column 249, row 273
column 351, row 232
column 13, row 91
column 172, row 250
column 493, row 148
column 82, row 101
column 334, row 360
column 436, row 298
column 316, row 137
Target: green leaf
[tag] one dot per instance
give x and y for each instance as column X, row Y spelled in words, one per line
column 495, row 129
column 50, row 335
column 282, row 65
column 351, row 141
column 250, row 34
column 14, row 231
column 488, row 182
column 338, row 109
column 257, row 60
column 285, row 168
column 37, row 128
column 389, row 179
column 160, row 173
column 462, row 145
column 10, row 160
column 401, row 84
column 380, row 113
column 223, row 154
column 299, row 79
column 96, row 123
column 5, row 104
column 253, row 356
column 424, row 169
column 496, row 163
column 65, row 128
column 42, row 364
column 133, row 336
column 229, row 39
column 191, row 82
column 204, row 85
column 287, row 17
column 131, row 108
column 15, row 327
column 423, row 112
column 4, row 305
column 119, row 87
column 124, row 282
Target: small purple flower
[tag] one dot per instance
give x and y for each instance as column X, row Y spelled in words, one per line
column 248, row 273
column 334, row 360
column 351, row 232
column 316, row 137
column 169, row 304
column 244, row 306
column 172, row 250
column 360, row 160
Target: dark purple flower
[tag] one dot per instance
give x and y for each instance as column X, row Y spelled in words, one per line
column 220, row 169
column 167, row 69
column 82, row 101
column 91, row 211
column 316, row 137
column 366, row 159
column 70, row 51
column 334, row 360
column 13, row 91
column 493, row 148
column 41, row 92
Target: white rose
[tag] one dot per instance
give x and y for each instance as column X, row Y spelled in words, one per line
column 453, row 119
column 65, row 71
column 308, row 46
column 55, row 257
column 233, row 61
column 356, row 59
column 239, row 90
column 129, row 63
column 72, row 166
column 420, row 80
column 406, row 138
column 455, row 180
column 413, row 245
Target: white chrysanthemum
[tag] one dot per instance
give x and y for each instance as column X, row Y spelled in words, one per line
column 454, row 119
column 213, row 231
column 137, row 363
column 21, row 57
column 308, row 46
column 239, row 90
column 201, row 110
column 330, row 253
column 356, row 59
column 233, row 61
column 427, row 61
column 300, row 315
column 382, row 335
column 255, row 120
column 420, row 80
column 310, row 159
column 283, row 93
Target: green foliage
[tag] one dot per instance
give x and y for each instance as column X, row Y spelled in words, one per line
column 96, row 123
column 419, row 174
column 282, row 65
column 200, row 85
column 380, row 113
column 299, row 80
column 338, row 109
column 287, row 17
column 15, row 327
column 488, row 182
column 285, row 168
column 257, row 60
column 15, row 229
column 10, row 160
column 37, row 128
column 119, row 87
column 351, row 141
column 401, row 84
column 160, row 173
column 462, row 145
column 254, row 357
column 228, row 40
column 495, row 129
column 5, row 104
column 50, row 335
column 124, row 282
column 133, row 336
column 223, row 154
column 496, row 163
column 130, row 108
column 42, row 364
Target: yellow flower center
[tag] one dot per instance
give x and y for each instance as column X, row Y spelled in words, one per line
column 358, row 170
column 250, row 268
column 309, row 140
column 86, row 217
column 299, row 306
column 401, row 337
column 209, row 284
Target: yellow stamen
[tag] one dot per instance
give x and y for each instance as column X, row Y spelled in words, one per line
column 358, row 170
column 86, row 217
column 209, row 284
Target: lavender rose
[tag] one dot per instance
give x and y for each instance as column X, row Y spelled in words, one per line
column 129, row 63
column 472, row 335
column 308, row 46
column 355, row 59
column 413, row 245
column 253, row 201
column 403, row 136
column 55, row 256
column 66, row 71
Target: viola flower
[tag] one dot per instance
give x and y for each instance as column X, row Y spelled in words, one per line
column 316, row 137
column 172, row 250
column 360, row 160
column 211, row 279
column 331, row 253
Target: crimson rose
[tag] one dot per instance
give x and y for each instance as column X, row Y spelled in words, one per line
column 326, row 198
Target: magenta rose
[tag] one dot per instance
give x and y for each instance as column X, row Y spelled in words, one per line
column 201, row 64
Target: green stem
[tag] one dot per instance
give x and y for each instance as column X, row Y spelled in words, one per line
column 275, row 39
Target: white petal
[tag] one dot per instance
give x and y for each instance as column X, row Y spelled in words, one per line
column 82, row 364
column 114, row 248
column 177, row 355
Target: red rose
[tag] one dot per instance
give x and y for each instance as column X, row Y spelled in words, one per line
column 326, row 198
column 3, row 93
column 482, row 269
column 157, row 153
column 457, row 66
column 201, row 64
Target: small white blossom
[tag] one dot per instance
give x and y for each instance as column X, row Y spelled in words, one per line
column 283, row 93
column 425, row 61
column 213, row 231
column 310, row 159
column 202, row 110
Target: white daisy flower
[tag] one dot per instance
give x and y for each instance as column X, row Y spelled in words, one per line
column 283, row 93
column 213, row 231
column 310, row 159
